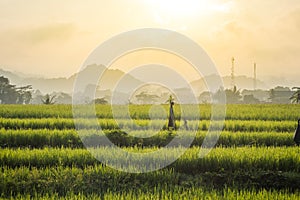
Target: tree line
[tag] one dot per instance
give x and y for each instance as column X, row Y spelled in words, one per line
column 11, row 94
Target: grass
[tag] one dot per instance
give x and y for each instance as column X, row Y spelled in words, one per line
column 43, row 157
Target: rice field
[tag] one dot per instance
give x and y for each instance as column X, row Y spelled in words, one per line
column 43, row 157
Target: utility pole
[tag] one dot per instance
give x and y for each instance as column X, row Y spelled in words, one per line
column 232, row 73
column 254, row 77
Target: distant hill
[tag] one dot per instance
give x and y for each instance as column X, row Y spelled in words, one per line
column 124, row 85
column 88, row 75
column 13, row 77
column 45, row 85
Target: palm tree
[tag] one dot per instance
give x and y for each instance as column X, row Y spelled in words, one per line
column 296, row 95
column 48, row 100
column 233, row 95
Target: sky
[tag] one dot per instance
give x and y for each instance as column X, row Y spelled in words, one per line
column 53, row 38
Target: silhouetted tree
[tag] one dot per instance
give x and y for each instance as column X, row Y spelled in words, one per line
column 205, row 97
column 10, row 94
column 48, row 100
column 24, row 94
column 250, row 99
column 145, row 98
column 218, row 96
column 233, row 95
column 280, row 95
column 100, row 101
column 272, row 95
column 296, row 95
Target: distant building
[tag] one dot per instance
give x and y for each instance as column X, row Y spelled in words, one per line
column 280, row 95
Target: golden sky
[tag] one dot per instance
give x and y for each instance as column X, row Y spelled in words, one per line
column 53, row 38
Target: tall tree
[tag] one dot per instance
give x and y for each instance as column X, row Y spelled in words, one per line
column 296, row 95
column 218, row 96
column 10, row 94
column 280, row 95
column 24, row 94
column 233, row 95
column 272, row 95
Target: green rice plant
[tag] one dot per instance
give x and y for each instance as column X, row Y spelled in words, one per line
column 36, row 111
column 166, row 193
column 254, row 151
column 228, row 159
column 264, row 112
column 39, row 138
column 229, row 125
column 91, row 180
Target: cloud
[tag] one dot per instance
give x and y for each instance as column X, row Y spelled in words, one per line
column 274, row 45
column 53, row 32
column 288, row 27
column 276, row 37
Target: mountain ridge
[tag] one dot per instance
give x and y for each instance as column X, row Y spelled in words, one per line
column 110, row 77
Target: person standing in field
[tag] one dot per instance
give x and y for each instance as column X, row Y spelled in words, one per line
column 171, row 123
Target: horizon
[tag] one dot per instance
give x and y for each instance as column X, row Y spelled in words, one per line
column 37, row 75
column 277, row 80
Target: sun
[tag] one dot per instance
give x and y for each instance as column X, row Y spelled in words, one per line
column 178, row 7
column 185, row 8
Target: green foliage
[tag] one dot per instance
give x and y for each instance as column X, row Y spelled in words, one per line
column 100, row 101
column 48, row 100
column 62, row 181
column 228, row 159
column 280, row 95
column 43, row 157
column 40, row 138
column 265, row 112
column 10, row 94
column 108, row 124
column 233, row 96
column 165, row 193
column 296, row 95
